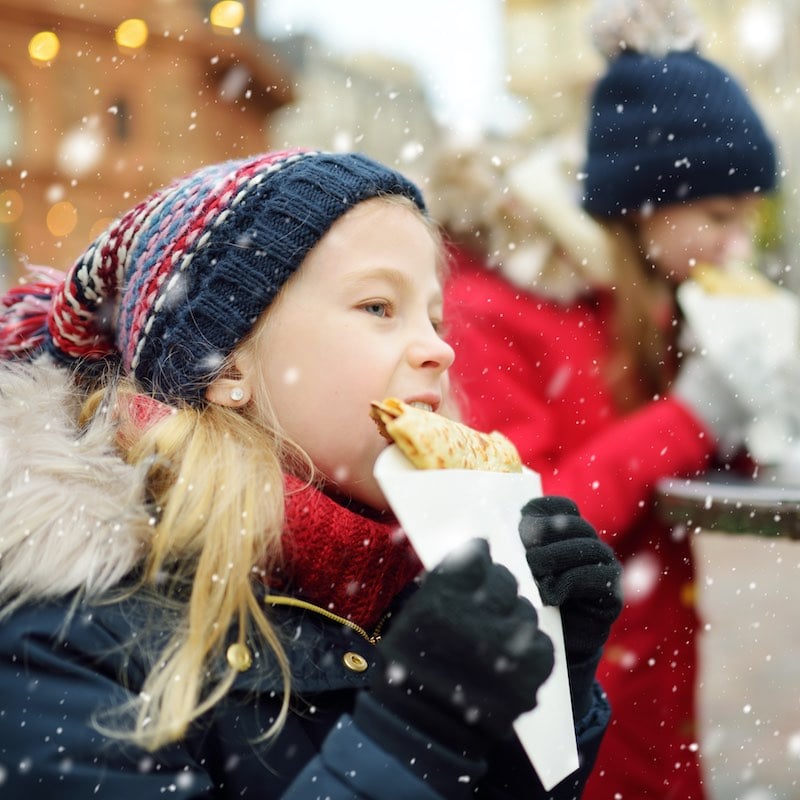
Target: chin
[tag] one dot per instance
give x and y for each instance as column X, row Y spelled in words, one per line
column 374, row 500
column 363, row 496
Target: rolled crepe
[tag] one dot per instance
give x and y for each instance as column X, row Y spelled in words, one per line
column 431, row 441
column 737, row 280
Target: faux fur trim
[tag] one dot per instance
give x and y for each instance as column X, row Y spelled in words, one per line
column 72, row 516
column 567, row 254
column 518, row 207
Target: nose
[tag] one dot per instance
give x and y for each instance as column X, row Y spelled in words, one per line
column 431, row 352
column 738, row 236
column 738, row 244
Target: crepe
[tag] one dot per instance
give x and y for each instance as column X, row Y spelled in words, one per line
column 431, row 441
column 737, row 280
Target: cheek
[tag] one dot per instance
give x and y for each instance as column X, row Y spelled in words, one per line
column 655, row 238
column 680, row 245
column 674, row 261
column 299, row 371
column 326, row 412
column 294, row 409
column 291, row 385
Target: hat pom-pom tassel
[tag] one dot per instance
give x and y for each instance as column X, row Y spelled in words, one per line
column 648, row 27
column 23, row 316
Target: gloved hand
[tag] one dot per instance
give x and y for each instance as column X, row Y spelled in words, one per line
column 701, row 387
column 576, row 571
column 465, row 656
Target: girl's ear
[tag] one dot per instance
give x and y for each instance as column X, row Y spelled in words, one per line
column 233, row 388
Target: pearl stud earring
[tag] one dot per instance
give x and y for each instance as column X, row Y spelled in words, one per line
column 237, row 394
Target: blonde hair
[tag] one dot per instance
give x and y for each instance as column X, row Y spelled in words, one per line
column 215, row 479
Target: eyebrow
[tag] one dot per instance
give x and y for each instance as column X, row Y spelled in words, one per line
column 395, row 278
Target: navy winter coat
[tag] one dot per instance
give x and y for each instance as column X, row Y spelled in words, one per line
column 59, row 671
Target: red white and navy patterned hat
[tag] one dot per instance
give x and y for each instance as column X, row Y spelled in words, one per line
column 174, row 285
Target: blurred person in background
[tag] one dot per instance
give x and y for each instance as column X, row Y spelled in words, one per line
column 563, row 311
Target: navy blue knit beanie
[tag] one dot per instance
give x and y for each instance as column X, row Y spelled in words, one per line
column 668, row 126
column 175, row 284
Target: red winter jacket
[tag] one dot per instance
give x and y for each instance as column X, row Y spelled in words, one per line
column 535, row 370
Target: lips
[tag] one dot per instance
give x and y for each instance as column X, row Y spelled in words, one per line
column 424, row 401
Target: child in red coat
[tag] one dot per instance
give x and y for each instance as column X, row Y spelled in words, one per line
column 569, row 345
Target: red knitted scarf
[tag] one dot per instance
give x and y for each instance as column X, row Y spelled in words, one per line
column 338, row 559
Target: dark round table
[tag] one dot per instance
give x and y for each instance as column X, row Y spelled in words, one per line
column 727, row 503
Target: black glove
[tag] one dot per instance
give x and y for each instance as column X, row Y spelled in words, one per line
column 465, row 656
column 576, row 571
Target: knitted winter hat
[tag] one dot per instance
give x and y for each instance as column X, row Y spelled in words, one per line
column 173, row 285
column 666, row 124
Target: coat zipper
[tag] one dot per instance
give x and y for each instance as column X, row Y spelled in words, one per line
column 373, row 638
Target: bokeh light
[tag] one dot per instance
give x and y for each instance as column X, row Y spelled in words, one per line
column 760, row 29
column 11, row 206
column 227, row 15
column 79, row 151
column 131, row 34
column 43, row 47
column 62, row 218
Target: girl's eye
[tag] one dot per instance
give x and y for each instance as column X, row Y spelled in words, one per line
column 377, row 308
column 723, row 216
column 720, row 218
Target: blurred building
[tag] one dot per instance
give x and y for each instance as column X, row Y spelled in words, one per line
column 376, row 105
column 101, row 102
column 88, row 128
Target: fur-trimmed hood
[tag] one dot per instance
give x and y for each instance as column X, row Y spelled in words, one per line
column 517, row 206
column 72, row 515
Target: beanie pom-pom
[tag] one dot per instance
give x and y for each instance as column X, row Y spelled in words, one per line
column 649, row 27
column 23, row 316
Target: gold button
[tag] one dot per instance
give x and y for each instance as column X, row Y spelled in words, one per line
column 239, row 657
column 355, row 662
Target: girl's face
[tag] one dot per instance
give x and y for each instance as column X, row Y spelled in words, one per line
column 714, row 230
column 360, row 321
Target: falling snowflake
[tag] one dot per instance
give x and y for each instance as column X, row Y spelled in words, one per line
column 640, row 577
